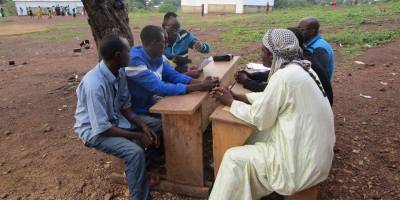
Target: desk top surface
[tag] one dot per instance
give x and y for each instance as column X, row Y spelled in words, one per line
column 188, row 103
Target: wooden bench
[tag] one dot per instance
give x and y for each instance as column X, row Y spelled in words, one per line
column 184, row 120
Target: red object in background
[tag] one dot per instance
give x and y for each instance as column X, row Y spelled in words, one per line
column 267, row 8
column 333, row 4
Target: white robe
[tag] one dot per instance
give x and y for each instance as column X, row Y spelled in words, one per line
column 292, row 150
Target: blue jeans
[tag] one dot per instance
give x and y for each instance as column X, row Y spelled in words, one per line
column 135, row 162
column 152, row 122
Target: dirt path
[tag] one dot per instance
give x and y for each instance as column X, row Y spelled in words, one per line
column 41, row 157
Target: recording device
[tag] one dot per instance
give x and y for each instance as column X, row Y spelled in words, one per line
column 222, row 58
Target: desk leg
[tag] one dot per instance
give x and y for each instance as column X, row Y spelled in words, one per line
column 183, row 139
column 225, row 136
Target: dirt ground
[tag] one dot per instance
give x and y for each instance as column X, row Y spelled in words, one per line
column 41, row 157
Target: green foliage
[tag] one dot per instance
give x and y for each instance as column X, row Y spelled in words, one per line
column 167, row 7
column 176, row 3
column 9, row 7
column 61, row 32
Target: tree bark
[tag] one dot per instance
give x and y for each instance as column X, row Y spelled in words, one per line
column 107, row 17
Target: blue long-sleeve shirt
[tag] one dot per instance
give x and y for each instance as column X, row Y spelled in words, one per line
column 149, row 77
column 184, row 41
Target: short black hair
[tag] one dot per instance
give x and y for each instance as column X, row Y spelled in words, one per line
column 151, row 34
column 169, row 15
column 110, row 45
column 312, row 22
column 299, row 35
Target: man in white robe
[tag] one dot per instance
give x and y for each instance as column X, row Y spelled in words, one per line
column 293, row 150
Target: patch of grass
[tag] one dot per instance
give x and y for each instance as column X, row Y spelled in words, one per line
column 240, row 31
column 60, row 32
column 354, row 41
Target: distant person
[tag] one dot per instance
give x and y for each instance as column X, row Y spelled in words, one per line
column 316, row 46
column 2, row 13
column 58, row 10
column 179, row 41
column 49, row 12
column 31, row 13
column 39, row 12
column 104, row 119
column 151, row 77
column 74, row 12
column 21, row 11
column 257, row 82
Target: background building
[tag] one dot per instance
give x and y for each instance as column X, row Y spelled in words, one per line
column 226, row 6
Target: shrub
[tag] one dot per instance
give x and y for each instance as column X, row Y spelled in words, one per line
column 166, row 7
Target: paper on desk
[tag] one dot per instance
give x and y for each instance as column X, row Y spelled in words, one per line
column 205, row 62
column 257, row 67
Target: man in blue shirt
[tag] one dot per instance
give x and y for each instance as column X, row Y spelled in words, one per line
column 150, row 76
column 104, row 118
column 179, row 41
column 316, row 46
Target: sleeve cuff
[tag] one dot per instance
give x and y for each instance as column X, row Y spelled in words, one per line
column 234, row 107
column 182, row 88
column 101, row 129
column 252, row 97
column 127, row 105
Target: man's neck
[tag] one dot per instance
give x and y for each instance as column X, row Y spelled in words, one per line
column 113, row 68
column 151, row 56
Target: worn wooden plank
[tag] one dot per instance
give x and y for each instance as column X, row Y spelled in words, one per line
column 183, row 139
column 225, row 136
column 193, row 191
column 222, row 114
column 189, row 103
column 185, row 104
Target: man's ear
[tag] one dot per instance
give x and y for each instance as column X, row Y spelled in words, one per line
column 117, row 54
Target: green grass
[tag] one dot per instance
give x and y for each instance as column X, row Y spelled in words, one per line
column 242, row 31
column 355, row 41
column 249, row 29
column 63, row 31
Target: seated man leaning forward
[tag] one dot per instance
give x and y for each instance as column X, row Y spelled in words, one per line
column 179, row 41
column 104, row 118
column 316, row 46
column 150, row 76
column 292, row 149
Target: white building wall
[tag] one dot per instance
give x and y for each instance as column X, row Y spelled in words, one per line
column 258, row 2
column 45, row 4
column 192, row 2
column 239, row 3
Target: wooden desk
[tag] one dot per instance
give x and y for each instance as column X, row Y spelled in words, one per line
column 184, row 120
column 228, row 131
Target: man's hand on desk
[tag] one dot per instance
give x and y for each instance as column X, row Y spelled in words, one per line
column 241, row 77
column 207, row 85
column 194, row 72
column 223, row 95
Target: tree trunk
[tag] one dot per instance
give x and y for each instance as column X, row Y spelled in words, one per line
column 107, row 17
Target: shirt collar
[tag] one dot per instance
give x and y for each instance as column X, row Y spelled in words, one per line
column 312, row 41
column 107, row 73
